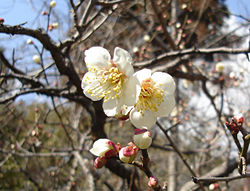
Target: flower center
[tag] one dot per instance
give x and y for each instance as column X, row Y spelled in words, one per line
column 109, row 82
column 150, row 97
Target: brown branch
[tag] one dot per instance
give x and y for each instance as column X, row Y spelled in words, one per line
column 217, row 179
column 47, row 42
column 192, row 51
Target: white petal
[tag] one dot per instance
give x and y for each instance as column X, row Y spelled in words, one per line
column 165, row 81
column 111, row 107
column 131, row 91
column 101, row 142
column 143, row 74
column 98, row 57
column 100, row 147
column 93, row 97
column 166, row 107
column 139, row 121
column 123, row 60
column 88, row 78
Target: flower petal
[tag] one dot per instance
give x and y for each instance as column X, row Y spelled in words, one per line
column 142, row 121
column 131, row 91
column 97, row 57
column 143, row 74
column 123, row 60
column 101, row 142
column 100, row 147
column 111, row 107
column 165, row 81
column 166, row 106
column 88, row 78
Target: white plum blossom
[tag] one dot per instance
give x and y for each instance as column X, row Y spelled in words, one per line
column 156, row 98
column 104, row 148
column 219, row 67
column 112, row 80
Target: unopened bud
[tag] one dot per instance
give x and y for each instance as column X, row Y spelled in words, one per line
column 135, row 49
column 178, row 25
column 152, row 182
column 127, row 154
column 1, row 20
column 45, row 13
column 184, row 6
column 36, row 59
column 239, row 119
column 100, row 162
column 55, row 25
column 146, row 38
column 52, row 4
column 142, row 138
column 213, row 186
column 29, row 41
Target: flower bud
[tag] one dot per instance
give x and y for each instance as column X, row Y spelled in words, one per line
column 135, row 49
column 50, row 27
column 146, row 38
column 184, row 6
column 104, row 147
column 152, row 182
column 45, row 13
column 100, row 162
column 1, row 21
column 29, row 41
column 219, row 67
column 127, row 154
column 36, row 59
column 239, row 119
column 52, row 4
column 213, row 186
column 142, row 138
column 178, row 25
column 55, row 25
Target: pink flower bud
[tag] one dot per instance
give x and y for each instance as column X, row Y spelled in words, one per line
column 142, row 138
column 50, row 27
column 152, row 182
column 127, row 154
column 239, row 119
column 100, row 162
column 45, row 13
column 1, row 20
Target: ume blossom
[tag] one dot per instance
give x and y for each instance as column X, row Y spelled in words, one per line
column 112, row 80
column 156, row 98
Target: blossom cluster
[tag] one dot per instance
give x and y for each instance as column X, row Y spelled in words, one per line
column 105, row 149
column 142, row 96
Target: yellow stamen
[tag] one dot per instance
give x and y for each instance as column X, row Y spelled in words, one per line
column 150, row 97
column 108, row 82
